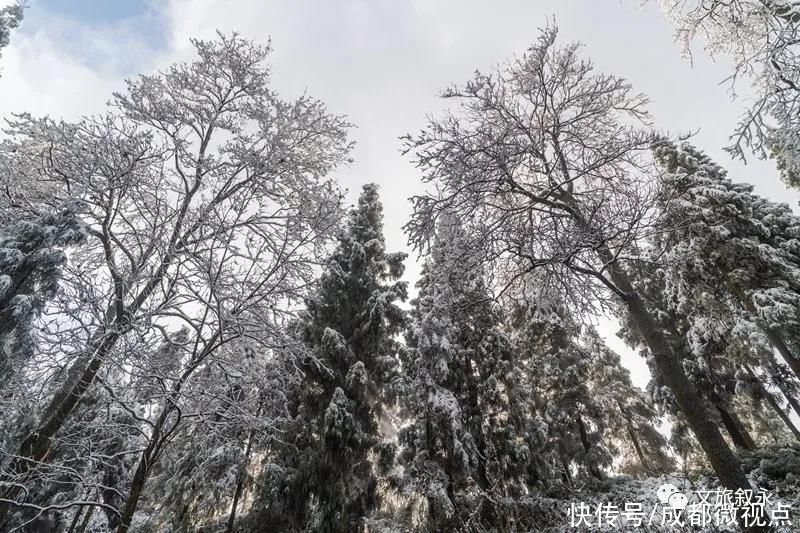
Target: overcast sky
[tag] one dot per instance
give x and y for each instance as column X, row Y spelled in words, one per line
column 381, row 62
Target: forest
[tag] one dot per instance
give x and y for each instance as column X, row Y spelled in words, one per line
column 200, row 333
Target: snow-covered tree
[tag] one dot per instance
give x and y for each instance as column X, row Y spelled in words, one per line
column 593, row 412
column 705, row 354
column 10, row 18
column 321, row 477
column 714, row 253
column 207, row 204
column 630, row 420
column 761, row 37
column 32, row 256
column 542, row 166
column 200, row 471
column 473, row 436
column 728, row 255
column 561, row 371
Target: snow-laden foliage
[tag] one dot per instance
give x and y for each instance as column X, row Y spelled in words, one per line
column 206, row 207
column 32, row 259
column 731, row 261
column 320, row 474
column 193, row 337
column 546, row 166
column 761, row 37
column 720, row 251
column 10, row 18
column 716, row 275
column 473, row 436
column 560, row 370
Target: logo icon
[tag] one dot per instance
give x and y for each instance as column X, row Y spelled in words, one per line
column 669, row 495
column 678, row 501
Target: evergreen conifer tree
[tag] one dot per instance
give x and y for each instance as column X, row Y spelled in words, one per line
column 31, row 262
column 731, row 254
column 561, row 373
column 473, row 439
column 322, row 478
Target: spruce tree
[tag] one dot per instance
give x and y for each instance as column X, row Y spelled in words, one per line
column 473, row 438
column 561, row 372
column 703, row 342
column 731, row 254
column 720, row 277
column 631, row 420
column 32, row 258
column 322, row 477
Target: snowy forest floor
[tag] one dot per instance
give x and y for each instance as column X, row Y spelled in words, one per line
column 774, row 469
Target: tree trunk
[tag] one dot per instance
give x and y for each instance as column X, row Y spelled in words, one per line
column 773, row 402
column 733, row 425
column 36, row 446
column 566, row 474
column 242, row 474
column 790, row 398
column 475, row 423
column 86, row 519
column 587, row 446
column 773, row 335
column 135, row 492
column 634, row 439
column 777, row 341
column 638, row 448
column 726, row 465
column 776, row 378
column 782, row 414
column 75, row 519
column 142, row 471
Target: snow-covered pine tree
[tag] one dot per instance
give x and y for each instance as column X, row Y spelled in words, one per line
column 560, row 372
column 10, row 18
column 731, row 253
column 631, row 421
column 760, row 37
column 203, row 474
column 32, row 257
column 473, row 436
column 322, row 477
column 719, row 250
column 703, row 344
column 513, row 164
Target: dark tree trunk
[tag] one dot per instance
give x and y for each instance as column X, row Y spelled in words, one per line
column 778, row 380
column 86, row 519
column 634, row 439
column 790, row 398
column 135, row 492
column 75, row 519
column 475, row 423
column 773, row 403
column 726, row 465
column 242, row 474
column 36, row 446
column 587, row 445
column 146, row 460
column 782, row 414
column 733, row 425
column 777, row 341
column 774, row 336
column 565, row 473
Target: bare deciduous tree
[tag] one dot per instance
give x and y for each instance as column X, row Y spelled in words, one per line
column 763, row 39
column 208, row 204
column 545, row 164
